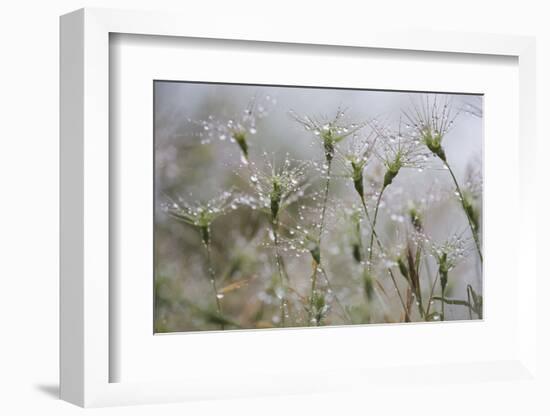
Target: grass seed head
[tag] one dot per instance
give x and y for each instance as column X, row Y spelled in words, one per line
column 355, row 158
column 416, row 219
column 331, row 131
column 319, row 307
column 398, row 151
column 241, row 127
column 449, row 253
column 278, row 185
column 431, row 118
column 202, row 214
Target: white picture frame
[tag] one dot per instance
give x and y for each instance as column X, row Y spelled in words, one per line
column 86, row 356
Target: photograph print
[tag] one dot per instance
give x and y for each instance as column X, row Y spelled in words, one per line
column 294, row 207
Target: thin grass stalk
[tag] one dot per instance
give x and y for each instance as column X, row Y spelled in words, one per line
column 373, row 236
column 366, row 267
column 212, row 275
column 280, row 268
column 405, row 309
column 324, row 273
column 325, row 200
column 456, row 302
column 462, row 203
column 432, row 291
column 419, row 294
column 473, row 297
column 373, row 231
column 321, row 229
column 312, row 292
column 443, row 279
column 374, row 224
column 469, row 302
column 413, row 277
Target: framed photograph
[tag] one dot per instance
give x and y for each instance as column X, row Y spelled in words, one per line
column 273, row 214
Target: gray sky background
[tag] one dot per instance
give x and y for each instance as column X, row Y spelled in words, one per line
column 183, row 100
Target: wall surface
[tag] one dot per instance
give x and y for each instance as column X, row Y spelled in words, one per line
column 29, row 209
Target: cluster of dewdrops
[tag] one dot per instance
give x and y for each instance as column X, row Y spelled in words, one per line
column 222, row 129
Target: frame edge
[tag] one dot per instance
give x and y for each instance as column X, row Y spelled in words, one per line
column 71, row 218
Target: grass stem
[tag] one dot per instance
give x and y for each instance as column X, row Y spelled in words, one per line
column 463, row 204
column 212, row 275
column 324, row 273
column 432, row 290
column 442, row 279
column 321, row 229
column 372, row 237
column 325, row 201
column 373, row 226
column 280, row 268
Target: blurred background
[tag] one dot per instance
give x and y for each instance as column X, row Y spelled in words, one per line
column 196, row 160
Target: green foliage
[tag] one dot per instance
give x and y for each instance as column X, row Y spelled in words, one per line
column 240, row 139
column 432, row 140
